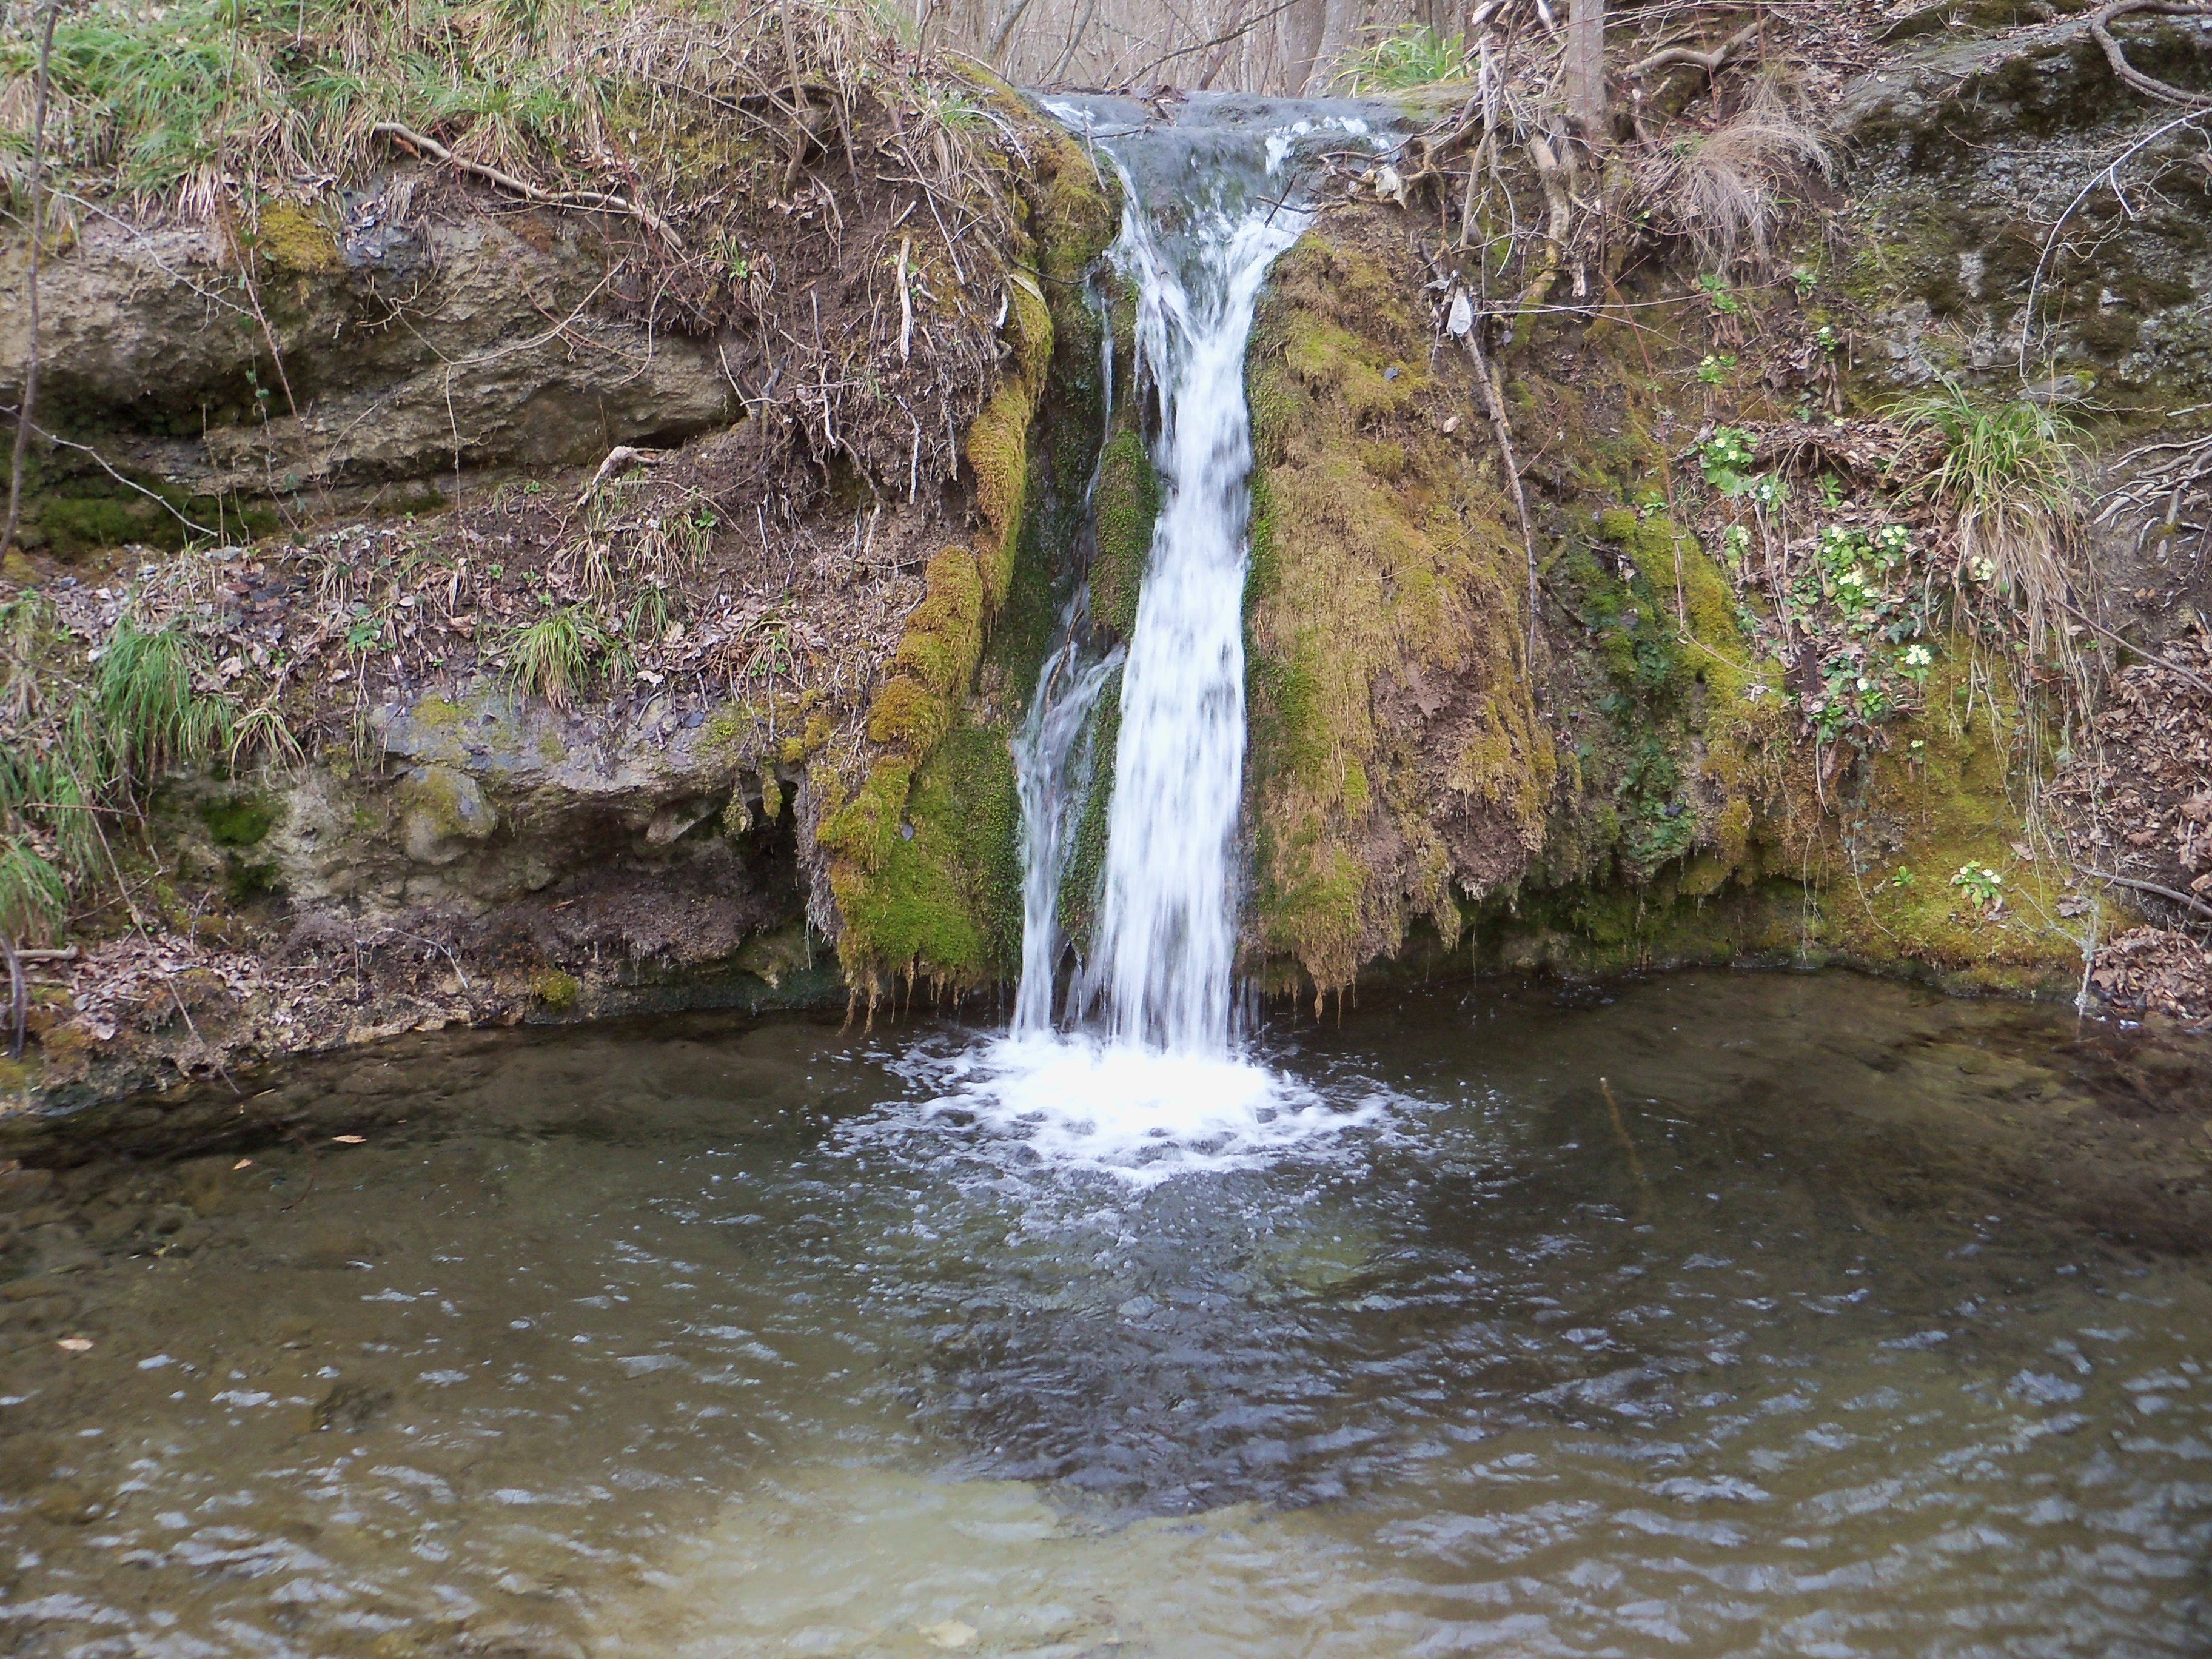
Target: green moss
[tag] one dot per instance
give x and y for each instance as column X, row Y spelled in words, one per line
column 1938, row 798
column 923, row 862
column 557, row 991
column 293, row 240
column 247, row 880
column 240, row 820
column 944, row 635
column 945, row 902
column 1129, row 501
column 82, row 517
column 1081, row 883
column 1380, row 558
column 861, row 832
column 907, row 714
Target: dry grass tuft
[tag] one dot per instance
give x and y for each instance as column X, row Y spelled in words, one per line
column 1725, row 192
column 2010, row 475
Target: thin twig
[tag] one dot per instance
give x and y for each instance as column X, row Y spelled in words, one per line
column 2175, row 893
column 2100, row 22
column 37, row 238
column 101, row 460
column 2147, row 655
column 1494, row 400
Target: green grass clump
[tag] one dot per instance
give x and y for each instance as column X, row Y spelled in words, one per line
column 1416, row 57
column 33, row 897
column 556, row 655
column 194, row 106
column 151, row 715
column 2010, row 474
column 167, row 107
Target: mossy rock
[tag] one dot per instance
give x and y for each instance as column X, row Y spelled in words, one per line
column 556, row 991
column 240, row 820
column 293, row 239
column 442, row 812
column 1386, row 604
column 1127, row 504
column 922, row 851
column 944, row 900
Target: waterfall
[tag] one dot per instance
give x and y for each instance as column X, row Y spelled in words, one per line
column 1204, row 218
column 1167, row 919
column 1052, row 769
column 1142, row 1081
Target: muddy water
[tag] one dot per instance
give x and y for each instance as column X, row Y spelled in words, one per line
column 1721, row 1315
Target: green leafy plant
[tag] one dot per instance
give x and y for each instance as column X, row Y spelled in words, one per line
column 1983, row 887
column 1726, row 458
column 1723, row 301
column 1416, row 57
column 1715, row 369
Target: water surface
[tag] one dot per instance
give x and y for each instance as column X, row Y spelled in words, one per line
column 1720, row 1315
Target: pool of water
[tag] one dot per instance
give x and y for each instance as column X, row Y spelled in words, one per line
column 1715, row 1315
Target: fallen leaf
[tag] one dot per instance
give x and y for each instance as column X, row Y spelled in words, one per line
column 350, row 1140
column 76, row 1344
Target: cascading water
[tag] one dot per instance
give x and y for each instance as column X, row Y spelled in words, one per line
column 1167, row 919
column 1145, row 1081
column 1052, row 766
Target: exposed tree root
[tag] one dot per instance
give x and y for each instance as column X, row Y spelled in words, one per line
column 586, row 201
column 2100, row 22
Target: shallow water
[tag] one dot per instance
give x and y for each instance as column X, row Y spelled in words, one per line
column 1719, row 1314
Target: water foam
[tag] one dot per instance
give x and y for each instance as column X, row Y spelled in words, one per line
column 1140, row 1115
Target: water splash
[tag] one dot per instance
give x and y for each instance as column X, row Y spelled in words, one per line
column 1076, row 1103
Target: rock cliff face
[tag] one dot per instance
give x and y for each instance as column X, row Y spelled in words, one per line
column 724, row 719
column 1705, row 758
column 362, row 360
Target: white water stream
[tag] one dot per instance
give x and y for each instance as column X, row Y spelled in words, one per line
column 1167, row 919
column 1145, row 1077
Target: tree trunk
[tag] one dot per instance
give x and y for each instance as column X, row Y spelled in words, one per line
column 1341, row 22
column 1585, row 71
column 1301, row 36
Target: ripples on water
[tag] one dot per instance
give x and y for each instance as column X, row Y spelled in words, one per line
column 1420, row 1338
